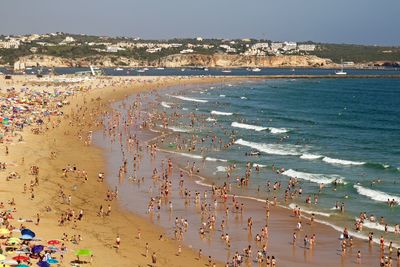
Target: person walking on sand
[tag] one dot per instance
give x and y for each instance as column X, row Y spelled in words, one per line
column 146, row 253
column 154, row 259
column 358, row 260
column 117, row 243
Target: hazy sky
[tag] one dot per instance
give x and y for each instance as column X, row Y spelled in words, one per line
column 337, row 21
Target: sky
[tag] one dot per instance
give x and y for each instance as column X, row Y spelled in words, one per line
column 334, row 21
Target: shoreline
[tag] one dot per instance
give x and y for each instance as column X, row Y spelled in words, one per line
column 284, row 212
column 92, row 160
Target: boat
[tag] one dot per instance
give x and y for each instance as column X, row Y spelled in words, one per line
column 141, row 70
column 341, row 71
column 255, row 69
column 182, row 69
column 118, row 69
column 253, row 153
column 205, row 69
column 226, row 71
column 160, row 68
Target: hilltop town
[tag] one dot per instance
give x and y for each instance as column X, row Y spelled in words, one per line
column 68, row 50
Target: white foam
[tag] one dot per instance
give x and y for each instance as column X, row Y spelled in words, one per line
column 277, row 130
column 274, row 149
column 375, row 194
column 176, row 129
column 222, row 95
column 259, row 165
column 215, row 159
column 248, row 126
column 210, row 119
column 190, row 99
column 310, row 156
column 221, row 113
column 305, row 210
column 341, row 161
column 243, row 97
column 200, row 182
column 221, row 169
column 314, row 177
column 377, row 226
column 165, row 104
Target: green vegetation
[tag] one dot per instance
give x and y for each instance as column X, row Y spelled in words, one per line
column 89, row 46
column 357, row 53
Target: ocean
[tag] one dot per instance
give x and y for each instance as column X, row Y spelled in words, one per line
column 318, row 130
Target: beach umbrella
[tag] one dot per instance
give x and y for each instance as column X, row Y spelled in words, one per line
column 10, row 262
column 2, row 257
column 52, row 248
column 43, row 264
column 20, row 258
column 52, row 261
column 37, row 249
column 4, row 231
column 28, row 232
column 13, row 240
column 83, row 252
column 53, row 242
column 22, row 265
column 26, row 237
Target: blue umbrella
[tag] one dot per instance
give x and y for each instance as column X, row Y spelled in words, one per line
column 43, row 264
column 26, row 237
column 28, row 232
column 37, row 249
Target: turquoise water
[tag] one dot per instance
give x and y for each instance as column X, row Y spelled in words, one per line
column 320, row 131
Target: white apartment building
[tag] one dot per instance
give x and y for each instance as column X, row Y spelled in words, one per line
column 306, row 47
column 10, row 44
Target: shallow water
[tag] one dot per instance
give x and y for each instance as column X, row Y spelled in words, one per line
column 311, row 150
column 318, row 130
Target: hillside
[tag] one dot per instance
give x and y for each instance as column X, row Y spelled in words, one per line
column 179, row 60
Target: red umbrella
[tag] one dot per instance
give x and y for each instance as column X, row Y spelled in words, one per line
column 53, row 242
column 20, row 258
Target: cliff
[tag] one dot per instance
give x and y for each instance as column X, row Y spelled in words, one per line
column 176, row 61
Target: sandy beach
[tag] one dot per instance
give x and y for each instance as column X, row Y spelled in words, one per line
column 66, row 144
column 62, row 166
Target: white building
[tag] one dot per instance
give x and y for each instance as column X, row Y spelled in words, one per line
column 276, row 46
column 186, row 51
column 153, row 50
column 10, row 44
column 114, row 49
column 306, row 47
column 200, row 39
column 289, row 46
column 69, row 39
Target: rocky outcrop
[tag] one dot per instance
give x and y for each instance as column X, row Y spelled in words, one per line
column 228, row 61
column 179, row 60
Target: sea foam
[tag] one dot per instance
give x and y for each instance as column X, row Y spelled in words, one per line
column 165, row 104
column 375, row 194
column 278, row 130
column 248, row 126
column 310, row 156
column 221, row 113
column 190, row 99
column 275, row 149
column 314, row 177
column 341, row 161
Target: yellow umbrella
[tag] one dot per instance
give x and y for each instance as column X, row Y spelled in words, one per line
column 4, row 231
column 13, row 240
column 2, row 257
